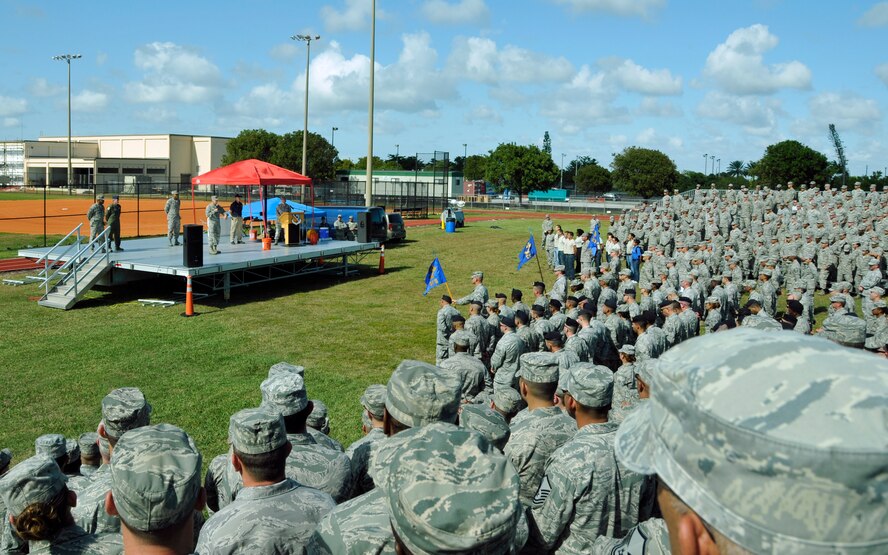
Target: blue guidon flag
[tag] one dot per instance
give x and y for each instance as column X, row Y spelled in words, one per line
column 527, row 252
column 434, row 277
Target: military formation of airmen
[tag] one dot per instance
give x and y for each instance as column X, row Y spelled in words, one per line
column 596, row 424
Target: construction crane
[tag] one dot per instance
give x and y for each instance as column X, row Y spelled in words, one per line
column 840, row 150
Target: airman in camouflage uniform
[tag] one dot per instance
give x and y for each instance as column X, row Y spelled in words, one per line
column 155, row 488
column 625, row 394
column 467, row 370
column 123, row 409
column 174, row 220
column 96, row 217
column 278, row 516
column 504, row 363
column 38, row 485
column 318, row 425
column 443, row 328
column 487, row 422
column 479, row 293
column 310, row 462
column 373, row 405
column 577, row 500
column 544, row 429
column 878, row 338
column 708, row 451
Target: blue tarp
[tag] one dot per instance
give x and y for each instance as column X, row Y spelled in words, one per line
column 254, row 209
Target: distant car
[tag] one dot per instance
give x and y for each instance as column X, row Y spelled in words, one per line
column 395, row 230
column 611, row 197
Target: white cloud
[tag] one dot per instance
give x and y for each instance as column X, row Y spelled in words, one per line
column 587, row 100
column 846, row 110
column 642, row 8
column 755, row 115
column 353, row 17
column 737, row 67
column 12, row 107
column 877, row 16
column 882, row 73
column 173, row 73
column 158, row 114
column 42, row 88
column 480, row 59
column 650, row 137
column 484, row 113
column 635, row 78
column 101, row 58
column 11, row 122
column 412, row 85
column 89, row 101
column 462, row 12
column 657, row 108
column 285, row 51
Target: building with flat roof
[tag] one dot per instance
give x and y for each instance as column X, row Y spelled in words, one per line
column 109, row 159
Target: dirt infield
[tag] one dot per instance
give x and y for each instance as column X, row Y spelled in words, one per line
column 63, row 215
column 147, row 217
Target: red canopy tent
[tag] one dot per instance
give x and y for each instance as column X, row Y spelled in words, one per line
column 251, row 172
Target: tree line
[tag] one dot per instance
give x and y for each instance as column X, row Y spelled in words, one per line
column 521, row 169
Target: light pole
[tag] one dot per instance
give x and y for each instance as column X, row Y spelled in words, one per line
column 368, row 191
column 705, row 165
column 67, row 59
column 718, row 171
column 307, row 40
column 333, row 136
column 562, row 170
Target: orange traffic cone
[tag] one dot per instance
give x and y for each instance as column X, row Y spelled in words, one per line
column 189, row 298
column 382, row 259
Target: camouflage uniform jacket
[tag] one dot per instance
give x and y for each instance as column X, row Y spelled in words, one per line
column 89, row 513
column 880, row 334
column 470, row 372
column 625, row 392
column 279, row 518
column 222, row 483
column 573, row 503
column 478, row 294
column 314, row 465
column 324, row 439
column 469, row 336
column 73, row 540
column 359, row 454
column 532, row 338
column 359, row 527
column 505, row 360
column 532, row 440
column 444, row 324
column 580, row 347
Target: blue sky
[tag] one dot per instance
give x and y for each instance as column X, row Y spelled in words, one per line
column 686, row 77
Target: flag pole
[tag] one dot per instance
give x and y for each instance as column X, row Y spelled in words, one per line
column 540, row 266
column 449, row 292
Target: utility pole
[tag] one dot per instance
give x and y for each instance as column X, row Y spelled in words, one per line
column 67, row 59
column 368, row 192
column 307, row 40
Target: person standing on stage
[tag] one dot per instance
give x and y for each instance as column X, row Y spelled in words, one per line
column 96, row 217
column 282, row 208
column 174, row 220
column 237, row 220
column 112, row 217
column 214, row 226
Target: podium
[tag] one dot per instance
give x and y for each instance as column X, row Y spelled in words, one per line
column 292, row 222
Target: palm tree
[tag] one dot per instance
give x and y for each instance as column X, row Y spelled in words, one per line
column 736, row 168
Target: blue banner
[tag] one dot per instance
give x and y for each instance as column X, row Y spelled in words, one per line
column 528, row 252
column 434, row 277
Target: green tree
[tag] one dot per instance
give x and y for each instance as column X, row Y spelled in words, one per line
column 476, row 165
column 592, row 178
column 320, row 155
column 643, row 171
column 520, row 168
column 547, row 144
column 792, row 161
column 249, row 144
column 570, row 171
column 378, row 164
column 736, row 169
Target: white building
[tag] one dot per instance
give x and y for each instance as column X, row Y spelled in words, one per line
column 110, row 159
column 430, row 184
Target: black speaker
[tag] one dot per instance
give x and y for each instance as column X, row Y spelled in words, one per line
column 363, row 235
column 192, row 253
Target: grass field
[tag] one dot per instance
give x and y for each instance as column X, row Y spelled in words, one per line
column 198, row 371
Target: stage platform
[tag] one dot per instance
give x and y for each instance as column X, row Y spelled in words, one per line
column 236, row 266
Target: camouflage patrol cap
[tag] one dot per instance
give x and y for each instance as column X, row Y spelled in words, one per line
column 591, row 385
column 155, row 477
column 879, row 304
column 52, row 446
column 285, row 392
column 757, row 432
column 72, row 450
column 125, row 409
column 5, row 459
column 450, row 491
column 877, row 290
column 34, row 480
column 286, row 368
column 256, row 431
column 713, row 300
column 627, row 349
column 318, row 417
column 538, row 367
column 837, row 299
column 486, row 422
column 89, row 446
column 845, row 329
column 461, row 340
column 418, row 394
column 508, row 400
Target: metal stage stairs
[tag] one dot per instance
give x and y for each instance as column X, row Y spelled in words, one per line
column 83, row 265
